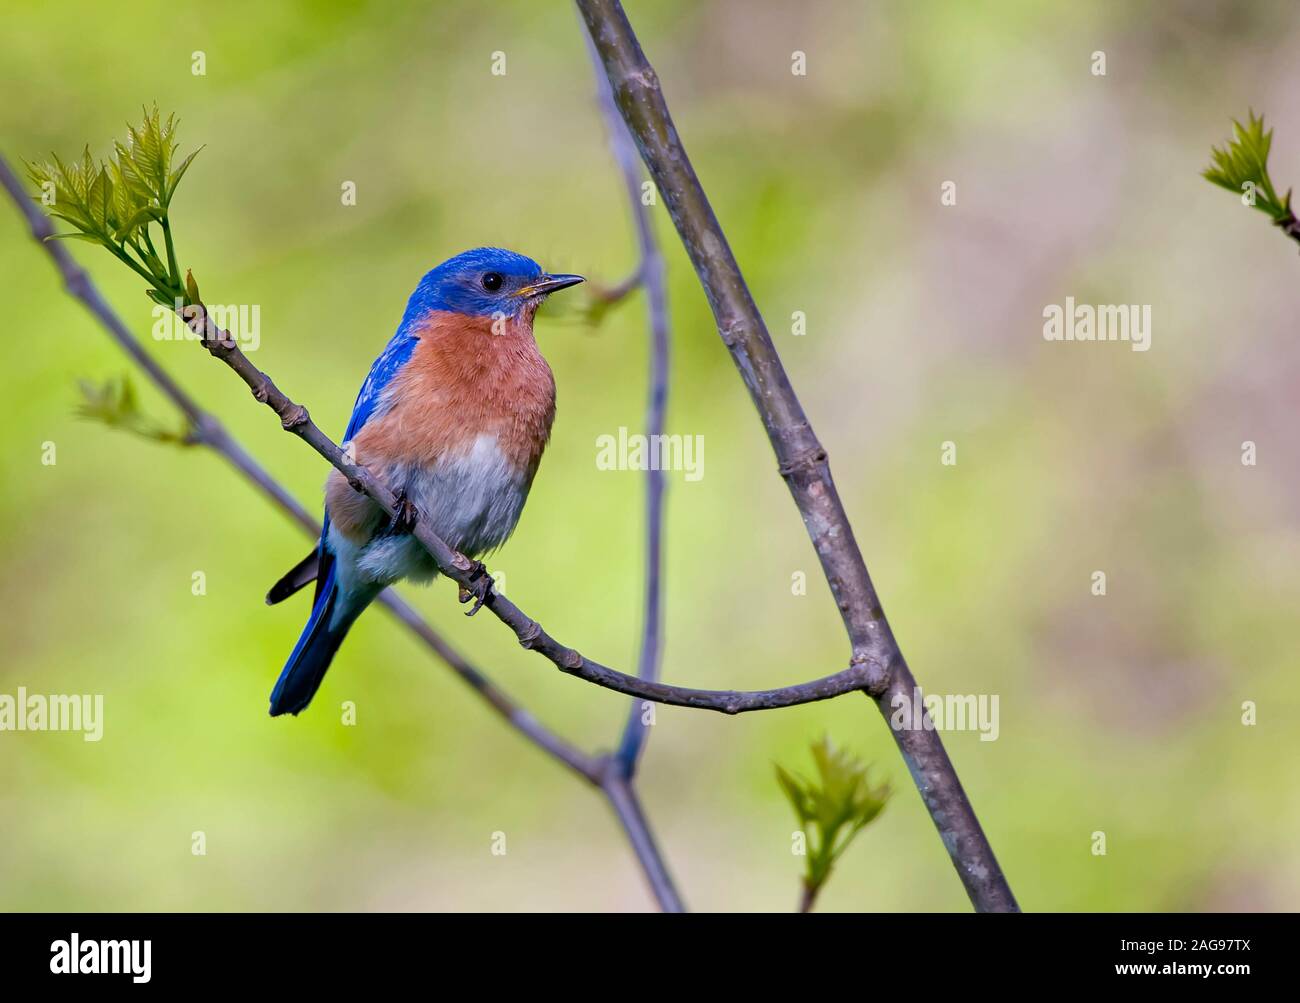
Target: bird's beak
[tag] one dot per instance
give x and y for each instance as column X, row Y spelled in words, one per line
column 548, row 284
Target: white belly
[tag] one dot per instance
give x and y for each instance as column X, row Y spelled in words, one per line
column 472, row 501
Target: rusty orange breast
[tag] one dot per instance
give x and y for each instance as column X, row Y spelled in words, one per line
column 467, row 377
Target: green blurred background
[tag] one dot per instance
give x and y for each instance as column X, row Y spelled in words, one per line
column 1119, row 714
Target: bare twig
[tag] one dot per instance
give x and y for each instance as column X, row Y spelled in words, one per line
column 609, row 295
column 861, row 672
column 294, row 418
column 620, row 768
column 1289, row 225
column 649, row 274
column 621, row 791
column 801, row 459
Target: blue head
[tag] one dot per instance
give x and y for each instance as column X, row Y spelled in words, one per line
column 485, row 282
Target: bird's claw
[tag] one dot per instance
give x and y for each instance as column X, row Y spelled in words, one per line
column 404, row 517
column 478, row 589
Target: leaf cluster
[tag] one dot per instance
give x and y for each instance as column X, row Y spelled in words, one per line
column 116, row 203
column 1243, row 161
column 833, row 808
column 114, row 403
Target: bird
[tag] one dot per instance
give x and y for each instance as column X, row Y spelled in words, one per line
column 453, row 417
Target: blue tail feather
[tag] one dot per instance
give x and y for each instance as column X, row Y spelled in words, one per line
column 311, row 656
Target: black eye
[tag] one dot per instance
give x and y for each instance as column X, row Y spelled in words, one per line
column 492, row 281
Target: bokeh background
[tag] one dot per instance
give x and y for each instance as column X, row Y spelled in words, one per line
column 1119, row 714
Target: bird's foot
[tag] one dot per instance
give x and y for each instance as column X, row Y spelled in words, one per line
column 405, row 516
column 478, row 587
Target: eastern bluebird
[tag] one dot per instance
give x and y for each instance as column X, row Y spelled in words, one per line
column 454, row 417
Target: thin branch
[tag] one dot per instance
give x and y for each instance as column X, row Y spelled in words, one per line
column 1289, row 225
column 801, row 459
column 649, row 274
column 609, row 295
column 294, row 418
column 620, row 791
column 531, row 635
column 620, row 768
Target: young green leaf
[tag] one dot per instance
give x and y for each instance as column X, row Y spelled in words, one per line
column 1241, row 166
column 831, row 810
column 179, row 173
column 114, row 404
column 115, row 204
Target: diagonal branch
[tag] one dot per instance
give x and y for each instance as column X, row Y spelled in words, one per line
column 1288, row 224
column 621, row 792
column 294, row 418
column 801, row 459
column 620, row 768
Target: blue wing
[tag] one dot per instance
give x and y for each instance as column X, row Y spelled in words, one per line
column 394, row 356
column 305, row 669
column 390, row 361
column 318, row 564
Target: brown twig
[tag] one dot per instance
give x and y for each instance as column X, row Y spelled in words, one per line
column 295, row 418
column 801, row 459
column 610, row 295
column 621, row 792
column 648, row 275
column 620, row 768
column 1288, row 224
